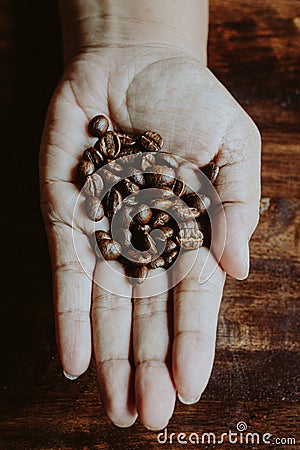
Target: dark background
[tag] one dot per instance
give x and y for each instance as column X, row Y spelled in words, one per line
column 254, row 50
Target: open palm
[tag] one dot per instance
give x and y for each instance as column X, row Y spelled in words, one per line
column 146, row 348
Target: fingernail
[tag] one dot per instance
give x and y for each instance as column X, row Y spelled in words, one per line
column 70, row 377
column 189, row 401
column 246, row 259
column 155, row 428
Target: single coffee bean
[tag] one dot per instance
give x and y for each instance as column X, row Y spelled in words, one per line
column 211, row 170
column 159, row 262
column 84, row 169
column 131, row 200
column 137, row 275
column 131, row 152
column 114, row 167
column 159, row 176
column 112, row 202
column 197, row 201
column 167, row 232
column 184, row 212
column 109, row 249
column 109, row 145
column 101, row 234
column 170, row 258
column 143, row 214
column 127, row 140
column 170, row 246
column 151, row 141
column 179, row 187
column 160, row 219
column 94, row 208
column 168, row 159
column 93, row 156
column 161, row 203
column 127, row 187
column 136, row 176
column 147, row 161
column 93, row 185
column 109, row 177
column 138, row 258
column 189, row 238
column 98, row 126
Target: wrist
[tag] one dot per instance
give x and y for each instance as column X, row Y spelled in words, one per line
column 92, row 24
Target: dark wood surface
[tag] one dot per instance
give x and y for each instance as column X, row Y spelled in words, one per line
column 254, row 50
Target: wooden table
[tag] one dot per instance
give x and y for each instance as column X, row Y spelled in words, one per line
column 254, row 51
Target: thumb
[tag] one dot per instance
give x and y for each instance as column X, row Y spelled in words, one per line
column 238, row 185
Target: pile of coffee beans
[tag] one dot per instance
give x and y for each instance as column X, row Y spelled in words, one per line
column 152, row 212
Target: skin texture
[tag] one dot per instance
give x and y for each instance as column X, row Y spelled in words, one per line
column 147, row 349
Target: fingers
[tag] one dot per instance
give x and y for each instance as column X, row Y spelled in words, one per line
column 238, row 185
column 155, row 393
column 111, row 318
column 72, row 294
column 196, row 306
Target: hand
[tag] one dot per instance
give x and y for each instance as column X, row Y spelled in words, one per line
column 148, row 348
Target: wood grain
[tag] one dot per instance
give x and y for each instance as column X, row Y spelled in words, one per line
column 254, row 49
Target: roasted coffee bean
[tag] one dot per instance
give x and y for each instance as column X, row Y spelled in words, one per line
column 159, row 262
column 112, row 202
column 184, row 212
column 170, row 258
column 131, row 200
column 160, row 219
column 127, row 140
column 137, row 275
column 136, row 176
column 115, row 167
column 151, row 141
column 161, row 203
column 94, row 208
column 179, row 187
column 159, row 176
column 98, row 126
column 130, row 151
column 167, row 158
column 127, row 187
column 143, row 214
column 101, row 234
column 109, row 249
column 211, row 170
column 142, row 241
column 109, row 145
column 147, row 161
column 190, row 238
column 167, row 232
column 138, row 258
column 93, row 156
column 197, row 201
column 84, row 169
column 170, row 246
column 109, row 177
column 93, row 185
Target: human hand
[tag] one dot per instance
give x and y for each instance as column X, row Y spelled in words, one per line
column 148, row 348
